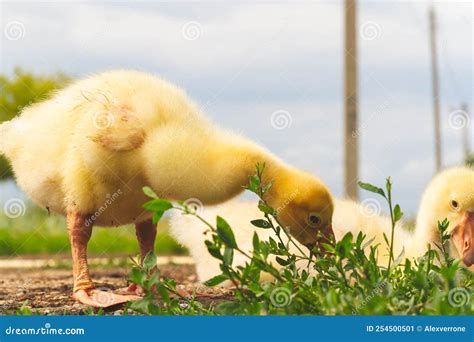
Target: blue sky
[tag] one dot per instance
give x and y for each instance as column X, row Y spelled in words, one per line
column 244, row 61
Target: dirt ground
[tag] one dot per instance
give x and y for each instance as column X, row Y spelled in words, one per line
column 48, row 291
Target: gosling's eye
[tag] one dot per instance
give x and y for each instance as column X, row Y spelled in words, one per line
column 454, row 204
column 314, row 219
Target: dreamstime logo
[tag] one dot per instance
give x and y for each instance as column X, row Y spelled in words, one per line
column 459, row 296
column 194, row 205
column 458, row 119
column 370, row 30
column 184, row 305
column 370, row 207
column 14, row 208
column 14, row 30
column 104, row 119
column 103, row 296
column 281, row 119
column 280, row 297
column 192, row 30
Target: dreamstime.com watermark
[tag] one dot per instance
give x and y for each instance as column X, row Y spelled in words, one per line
column 459, row 296
column 280, row 297
column 376, row 291
column 46, row 330
column 281, row 119
column 459, row 119
column 194, row 205
column 287, row 201
column 192, row 30
column 103, row 119
column 370, row 30
column 370, row 207
column 108, row 202
column 14, row 208
column 14, row 30
column 371, row 117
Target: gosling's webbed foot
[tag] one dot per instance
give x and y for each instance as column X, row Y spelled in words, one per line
column 102, row 299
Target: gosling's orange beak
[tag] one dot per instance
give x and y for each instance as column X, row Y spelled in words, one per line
column 463, row 238
column 327, row 236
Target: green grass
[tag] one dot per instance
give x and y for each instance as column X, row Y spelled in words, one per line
column 36, row 232
column 341, row 278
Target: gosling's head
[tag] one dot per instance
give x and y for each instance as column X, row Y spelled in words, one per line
column 451, row 195
column 305, row 206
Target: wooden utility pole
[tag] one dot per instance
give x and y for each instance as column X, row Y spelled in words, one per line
column 435, row 81
column 465, row 132
column 351, row 133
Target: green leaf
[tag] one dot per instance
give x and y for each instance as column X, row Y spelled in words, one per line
column 443, row 225
column 256, row 242
column 154, row 279
column 347, row 239
column 158, row 204
column 216, row 280
column 397, row 213
column 213, row 250
column 261, row 224
column 137, row 276
column 386, row 239
column 372, row 188
column 142, row 305
column 253, row 184
column 149, row 262
column 399, row 259
column 344, row 246
column 329, row 248
column 268, row 186
column 256, row 288
column 407, row 266
column 163, row 292
column 157, row 216
column 266, row 209
column 225, row 232
column 149, row 192
column 368, row 243
column 388, row 185
column 228, row 256
column 282, row 261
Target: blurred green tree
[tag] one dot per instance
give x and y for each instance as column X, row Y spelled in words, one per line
column 470, row 160
column 20, row 90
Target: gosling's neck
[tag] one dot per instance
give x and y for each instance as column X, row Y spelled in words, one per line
column 240, row 159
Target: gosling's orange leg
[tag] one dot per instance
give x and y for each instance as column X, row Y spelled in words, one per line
column 80, row 230
column 146, row 235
